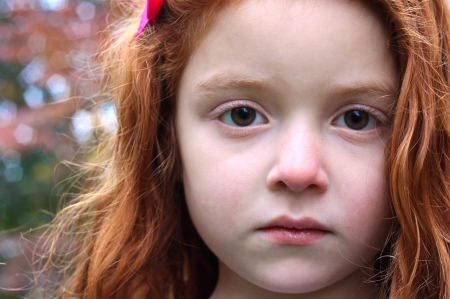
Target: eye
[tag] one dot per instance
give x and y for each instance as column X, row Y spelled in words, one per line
column 242, row 117
column 358, row 120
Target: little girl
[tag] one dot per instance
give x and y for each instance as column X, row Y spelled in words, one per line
column 270, row 149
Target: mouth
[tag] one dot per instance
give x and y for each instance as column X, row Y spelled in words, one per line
column 286, row 230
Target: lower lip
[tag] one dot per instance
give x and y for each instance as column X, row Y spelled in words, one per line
column 282, row 235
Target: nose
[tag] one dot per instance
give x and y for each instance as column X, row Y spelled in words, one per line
column 299, row 163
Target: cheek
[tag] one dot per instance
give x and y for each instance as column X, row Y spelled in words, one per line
column 367, row 207
column 218, row 188
column 219, row 174
column 215, row 202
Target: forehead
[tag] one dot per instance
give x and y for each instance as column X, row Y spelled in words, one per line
column 329, row 41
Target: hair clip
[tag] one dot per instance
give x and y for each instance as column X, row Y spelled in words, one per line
column 150, row 13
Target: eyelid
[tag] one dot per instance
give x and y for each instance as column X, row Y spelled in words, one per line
column 381, row 117
column 225, row 107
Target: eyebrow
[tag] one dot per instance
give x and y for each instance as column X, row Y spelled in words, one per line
column 224, row 81
column 381, row 90
column 384, row 94
column 227, row 81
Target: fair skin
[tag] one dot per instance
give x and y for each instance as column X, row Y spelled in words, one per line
column 281, row 117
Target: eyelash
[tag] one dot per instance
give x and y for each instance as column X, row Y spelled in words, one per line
column 376, row 118
column 224, row 114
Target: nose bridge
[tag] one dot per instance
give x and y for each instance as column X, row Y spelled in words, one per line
column 300, row 148
column 299, row 161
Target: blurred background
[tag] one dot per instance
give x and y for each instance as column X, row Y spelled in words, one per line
column 48, row 82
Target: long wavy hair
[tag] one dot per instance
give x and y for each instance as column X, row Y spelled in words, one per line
column 130, row 232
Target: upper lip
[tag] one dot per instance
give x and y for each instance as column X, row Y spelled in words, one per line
column 292, row 223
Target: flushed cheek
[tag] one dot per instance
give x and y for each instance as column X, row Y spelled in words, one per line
column 216, row 216
column 220, row 192
column 365, row 209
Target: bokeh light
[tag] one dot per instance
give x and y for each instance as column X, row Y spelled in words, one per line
column 48, row 82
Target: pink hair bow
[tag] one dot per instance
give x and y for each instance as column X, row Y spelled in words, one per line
column 150, row 13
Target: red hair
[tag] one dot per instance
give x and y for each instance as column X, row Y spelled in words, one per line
column 133, row 235
column 417, row 152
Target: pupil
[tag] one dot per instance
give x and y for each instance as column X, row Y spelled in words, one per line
column 356, row 119
column 243, row 116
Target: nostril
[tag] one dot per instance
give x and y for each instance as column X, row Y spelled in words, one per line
column 297, row 179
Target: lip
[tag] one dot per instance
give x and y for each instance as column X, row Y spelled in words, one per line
column 287, row 230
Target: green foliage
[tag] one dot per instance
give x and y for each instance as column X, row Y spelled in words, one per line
column 45, row 62
column 23, row 203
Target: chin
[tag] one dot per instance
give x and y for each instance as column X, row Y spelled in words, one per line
column 293, row 284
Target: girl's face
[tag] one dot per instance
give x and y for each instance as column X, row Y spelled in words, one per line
column 282, row 114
